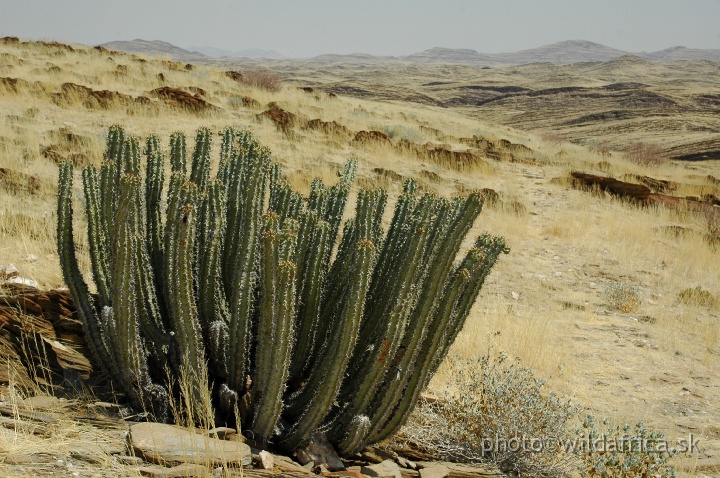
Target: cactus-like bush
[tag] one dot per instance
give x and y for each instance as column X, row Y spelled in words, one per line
column 245, row 285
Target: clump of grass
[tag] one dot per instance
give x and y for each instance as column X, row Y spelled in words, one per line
column 697, row 296
column 263, row 80
column 623, row 297
column 626, row 452
column 516, row 208
column 712, row 224
column 495, row 411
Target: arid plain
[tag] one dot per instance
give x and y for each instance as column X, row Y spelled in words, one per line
column 517, row 130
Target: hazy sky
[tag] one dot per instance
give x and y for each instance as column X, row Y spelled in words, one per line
column 299, row 28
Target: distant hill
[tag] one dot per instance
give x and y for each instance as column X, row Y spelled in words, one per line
column 561, row 53
column 247, row 53
column 154, row 47
column 682, row 53
column 565, row 52
column 354, row 59
column 460, row 56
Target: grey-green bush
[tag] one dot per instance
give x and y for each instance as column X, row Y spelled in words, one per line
column 497, row 411
column 494, row 411
column 623, row 452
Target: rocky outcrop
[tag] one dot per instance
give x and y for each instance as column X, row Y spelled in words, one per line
column 371, row 136
column 284, row 120
column 641, row 194
column 182, row 99
column 91, row 99
column 635, row 192
column 39, row 332
column 171, row 445
column 328, row 127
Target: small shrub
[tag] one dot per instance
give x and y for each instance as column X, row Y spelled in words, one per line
column 623, row 297
column 697, row 296
column 497, row 412
column 263, row 80
column 645, row 154
column 625, row 453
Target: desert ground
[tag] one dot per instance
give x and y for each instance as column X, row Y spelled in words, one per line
column 550, row 300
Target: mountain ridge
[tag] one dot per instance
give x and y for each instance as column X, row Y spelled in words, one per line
column 153, row 47
column 559, row 53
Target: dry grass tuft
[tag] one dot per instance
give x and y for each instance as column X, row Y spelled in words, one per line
column 699, row 297
column 712, row 225
column 16, row 182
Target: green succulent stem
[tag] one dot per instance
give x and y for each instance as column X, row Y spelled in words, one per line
column 275, row 327
column 317, row 396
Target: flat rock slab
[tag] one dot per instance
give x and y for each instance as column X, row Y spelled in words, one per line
column 9, row 411
column 385, row 469
column 344, row 474
column 405, row 463
column 223, row 433
column 18, row 459
column 288, row 466
column 92, row 452
column 435, row 471
column 376, row 455
column 408, row 473
column 259, row 473
column 107, row 405
column 186, row 470
column 171, row 445
column 86, row 457
column 27, row 458
column 43, row 402
column 129, row 460
column 462, row 470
